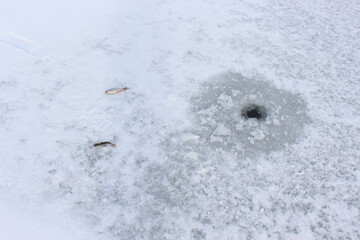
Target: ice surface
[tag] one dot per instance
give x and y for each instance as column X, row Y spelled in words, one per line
column 293, row 176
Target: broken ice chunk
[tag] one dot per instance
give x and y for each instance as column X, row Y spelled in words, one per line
column 235, row 92
column 225, row 101
column 258, row 134
column 221, row 130
column 239, row 127
column 252, row 97
column 216, row 139
column 276, row 122
column 191, row 156
column 186, row 137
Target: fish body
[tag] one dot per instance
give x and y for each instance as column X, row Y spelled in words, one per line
column 104, row 143
column 116, row 90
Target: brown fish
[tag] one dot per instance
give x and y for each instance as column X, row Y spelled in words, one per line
column 104, row 143
column 116, row 90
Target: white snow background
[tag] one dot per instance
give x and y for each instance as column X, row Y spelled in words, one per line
column 57, row 58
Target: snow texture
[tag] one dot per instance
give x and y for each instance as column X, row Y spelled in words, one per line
column 186, row 165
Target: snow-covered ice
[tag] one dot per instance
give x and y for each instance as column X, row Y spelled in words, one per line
column 187, row 163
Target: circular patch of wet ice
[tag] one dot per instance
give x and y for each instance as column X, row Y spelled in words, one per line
column 246, row 115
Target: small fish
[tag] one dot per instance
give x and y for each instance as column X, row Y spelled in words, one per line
column 104, row 143
column 116, row 90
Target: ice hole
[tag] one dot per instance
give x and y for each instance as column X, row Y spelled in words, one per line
column 255, row 102
column 254, row 111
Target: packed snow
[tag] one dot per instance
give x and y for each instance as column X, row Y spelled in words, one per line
column 241, row 120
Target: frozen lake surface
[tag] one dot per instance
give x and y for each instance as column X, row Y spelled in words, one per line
column 241, row 120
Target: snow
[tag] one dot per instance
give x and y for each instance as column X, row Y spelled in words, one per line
column 186, row 164
column 18, row 223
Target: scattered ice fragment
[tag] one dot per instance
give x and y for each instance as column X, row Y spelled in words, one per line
column 225, row 101
column 258, row 134
column 191, row 156
column 221, row 130
column 186, row 137
column 252, row 97
column 276, row 122
column 216, row 139
column 235, row 92
column 239, row 127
